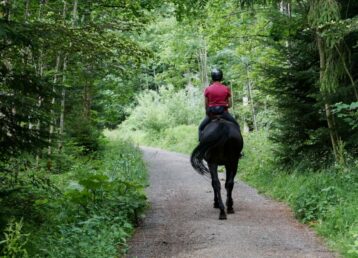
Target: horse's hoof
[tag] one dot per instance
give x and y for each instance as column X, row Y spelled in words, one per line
column 222, row 216
column 216, row 205
column 230, row 211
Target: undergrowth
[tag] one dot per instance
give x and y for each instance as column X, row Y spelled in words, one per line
column 327, row 199
column 182, row 138
column 88, row 211
column 167, row 119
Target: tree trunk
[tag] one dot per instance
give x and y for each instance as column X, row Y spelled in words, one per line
column 26, row 16
column 87, row 99
column 40, row 10
column 62, row 119
column 63, row 99
column 156, row 86
column 64, row 68
column 53, row 103
column 40, row 70
column 329, row 116
column 75, row 13
column 347, row 72
column 245, row 103
column 7, row 10
column 64, row 11
column 203, row 65
column 285, row 8
column 63, row 93
column 251, row 98
column 146, row 78
column 232, row 100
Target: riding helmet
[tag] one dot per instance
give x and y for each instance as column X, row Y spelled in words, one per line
column 216, row 75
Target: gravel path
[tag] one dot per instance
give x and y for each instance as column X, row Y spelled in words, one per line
column 182, row 222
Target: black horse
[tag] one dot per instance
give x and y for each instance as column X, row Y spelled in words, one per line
column 221, row 143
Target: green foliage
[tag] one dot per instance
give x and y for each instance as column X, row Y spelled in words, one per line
column 97, row 191
column 108, row 233
column 166, row 119
column 24, row 101
column 242, row 42
column 175, row 46
column 117, row 93
column 15, row 241
column 348, row 112
column 354, row 246
column 157, row 111
column 326, row 199
column 56, row 58
column 84, row 134
column 182, row 138
column 88, row 211
column 301, row 128
column 310, row 206
column 323, row 11
column 21, row 193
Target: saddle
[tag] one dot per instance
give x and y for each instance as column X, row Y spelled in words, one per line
column 215, row 113
column 217, row 110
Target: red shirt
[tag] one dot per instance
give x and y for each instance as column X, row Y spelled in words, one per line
column 218, row 95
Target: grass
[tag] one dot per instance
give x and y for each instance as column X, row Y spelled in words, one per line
column 327, row 200
column 182, row 138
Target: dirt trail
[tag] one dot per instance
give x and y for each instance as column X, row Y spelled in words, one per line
column 182, row 222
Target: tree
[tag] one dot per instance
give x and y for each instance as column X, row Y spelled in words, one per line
column 66, row 47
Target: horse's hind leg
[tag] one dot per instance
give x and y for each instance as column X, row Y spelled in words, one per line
column 231, row 170
column 217, row 187
column 216, row 200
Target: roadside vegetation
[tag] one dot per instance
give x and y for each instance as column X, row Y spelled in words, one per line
column 325, row 199
column 89, row 210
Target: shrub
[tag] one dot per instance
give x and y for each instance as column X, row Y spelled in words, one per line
column 95, row 237
column 182, row 138
column 313, row 201
column 15, row 241
column 157, row 111
column 325, row 199
column 88, row 211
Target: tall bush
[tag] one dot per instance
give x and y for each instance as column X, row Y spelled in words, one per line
column 167, row 108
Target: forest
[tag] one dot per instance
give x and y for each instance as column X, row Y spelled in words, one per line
column 84, row 82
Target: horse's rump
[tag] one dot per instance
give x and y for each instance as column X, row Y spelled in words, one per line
column 220, row 140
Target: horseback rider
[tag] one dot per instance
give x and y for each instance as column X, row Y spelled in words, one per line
column 217, row 100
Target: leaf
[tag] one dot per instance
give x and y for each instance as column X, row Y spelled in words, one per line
column 41, row 201
column 354, row 105
column 94, row 181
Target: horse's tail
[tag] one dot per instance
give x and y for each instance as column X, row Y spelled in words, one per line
column 217, row 137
